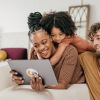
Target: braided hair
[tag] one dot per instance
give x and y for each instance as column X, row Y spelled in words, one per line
column 61, row 20
column 34, row 22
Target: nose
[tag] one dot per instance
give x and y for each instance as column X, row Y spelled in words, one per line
column 57, row 38
column 95, row 42
column 41, row 47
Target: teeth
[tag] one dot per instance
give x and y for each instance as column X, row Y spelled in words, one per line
column 97, row 48
column 44, row 52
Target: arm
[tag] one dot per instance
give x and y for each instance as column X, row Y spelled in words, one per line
column 54, row 59
column 82, row 45
column 64, row 43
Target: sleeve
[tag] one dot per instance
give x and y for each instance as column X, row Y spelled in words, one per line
column 82, row 45
column 66, row 41
column 69, row 64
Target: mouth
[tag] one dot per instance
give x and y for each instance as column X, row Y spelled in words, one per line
column 44, row 52
column 98, row 49
column 58, row 41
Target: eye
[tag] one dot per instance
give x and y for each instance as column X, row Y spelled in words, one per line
column 44, row 42
column 52, row 35
column 91, row 40
column 61, row 33
column 36, row 46
column 98, row 38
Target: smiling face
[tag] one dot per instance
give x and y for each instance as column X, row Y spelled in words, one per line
column 96, row 42
column 43, row 44
column 57, row 35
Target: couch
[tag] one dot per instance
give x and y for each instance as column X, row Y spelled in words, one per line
column 15, row 53
column 12, row 91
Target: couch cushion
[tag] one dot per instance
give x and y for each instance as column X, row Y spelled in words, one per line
column 24, row 92
column 5, row 76
column 16, row 53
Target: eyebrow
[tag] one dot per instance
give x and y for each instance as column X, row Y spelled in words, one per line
column 41, row 41
column 58, row 33
column 96, row 35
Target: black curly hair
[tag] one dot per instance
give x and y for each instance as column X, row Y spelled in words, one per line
column 61, row 20
column 93, row 29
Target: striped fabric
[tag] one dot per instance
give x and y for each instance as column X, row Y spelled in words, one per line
column 91, row 66
column 68, row 68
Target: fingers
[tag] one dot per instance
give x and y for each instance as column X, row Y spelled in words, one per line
column 32, row 82
column 15, row 78
column 13, row 72
column 41, row 84
column 37, row 83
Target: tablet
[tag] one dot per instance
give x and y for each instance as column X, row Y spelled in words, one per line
column 28, row 67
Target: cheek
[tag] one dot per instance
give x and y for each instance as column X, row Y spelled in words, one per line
column 53, row 38
column 63, row 36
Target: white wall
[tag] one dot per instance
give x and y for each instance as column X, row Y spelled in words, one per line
column 14, row 13
column 15, row 39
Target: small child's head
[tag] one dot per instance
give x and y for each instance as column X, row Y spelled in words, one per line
column 58, row 25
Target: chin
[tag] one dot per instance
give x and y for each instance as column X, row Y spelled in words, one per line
column 46, row 57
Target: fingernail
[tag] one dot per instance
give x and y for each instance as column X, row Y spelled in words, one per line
column 16, row 73
column 22, row 81
column 39, row 77
column 20, row 78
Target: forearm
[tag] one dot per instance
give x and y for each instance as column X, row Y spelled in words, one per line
column 61, row 85
column 57, row 55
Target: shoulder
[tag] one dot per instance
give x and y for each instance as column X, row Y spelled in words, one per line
column 87, row 54
column 70, row 50
column 88, row 58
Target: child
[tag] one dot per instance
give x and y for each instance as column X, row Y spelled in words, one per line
column 62, row 30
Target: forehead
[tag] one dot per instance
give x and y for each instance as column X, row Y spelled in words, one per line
column 55, row 30
column 39, row 36
column 97, row 33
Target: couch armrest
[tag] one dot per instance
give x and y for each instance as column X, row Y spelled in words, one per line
column 5, row 77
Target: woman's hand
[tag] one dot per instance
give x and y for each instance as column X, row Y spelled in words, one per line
column 36, row 83
column 16, row 78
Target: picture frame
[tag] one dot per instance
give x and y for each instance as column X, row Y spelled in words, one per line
column 80, row 15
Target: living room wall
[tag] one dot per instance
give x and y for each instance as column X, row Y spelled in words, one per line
column 14, row 13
